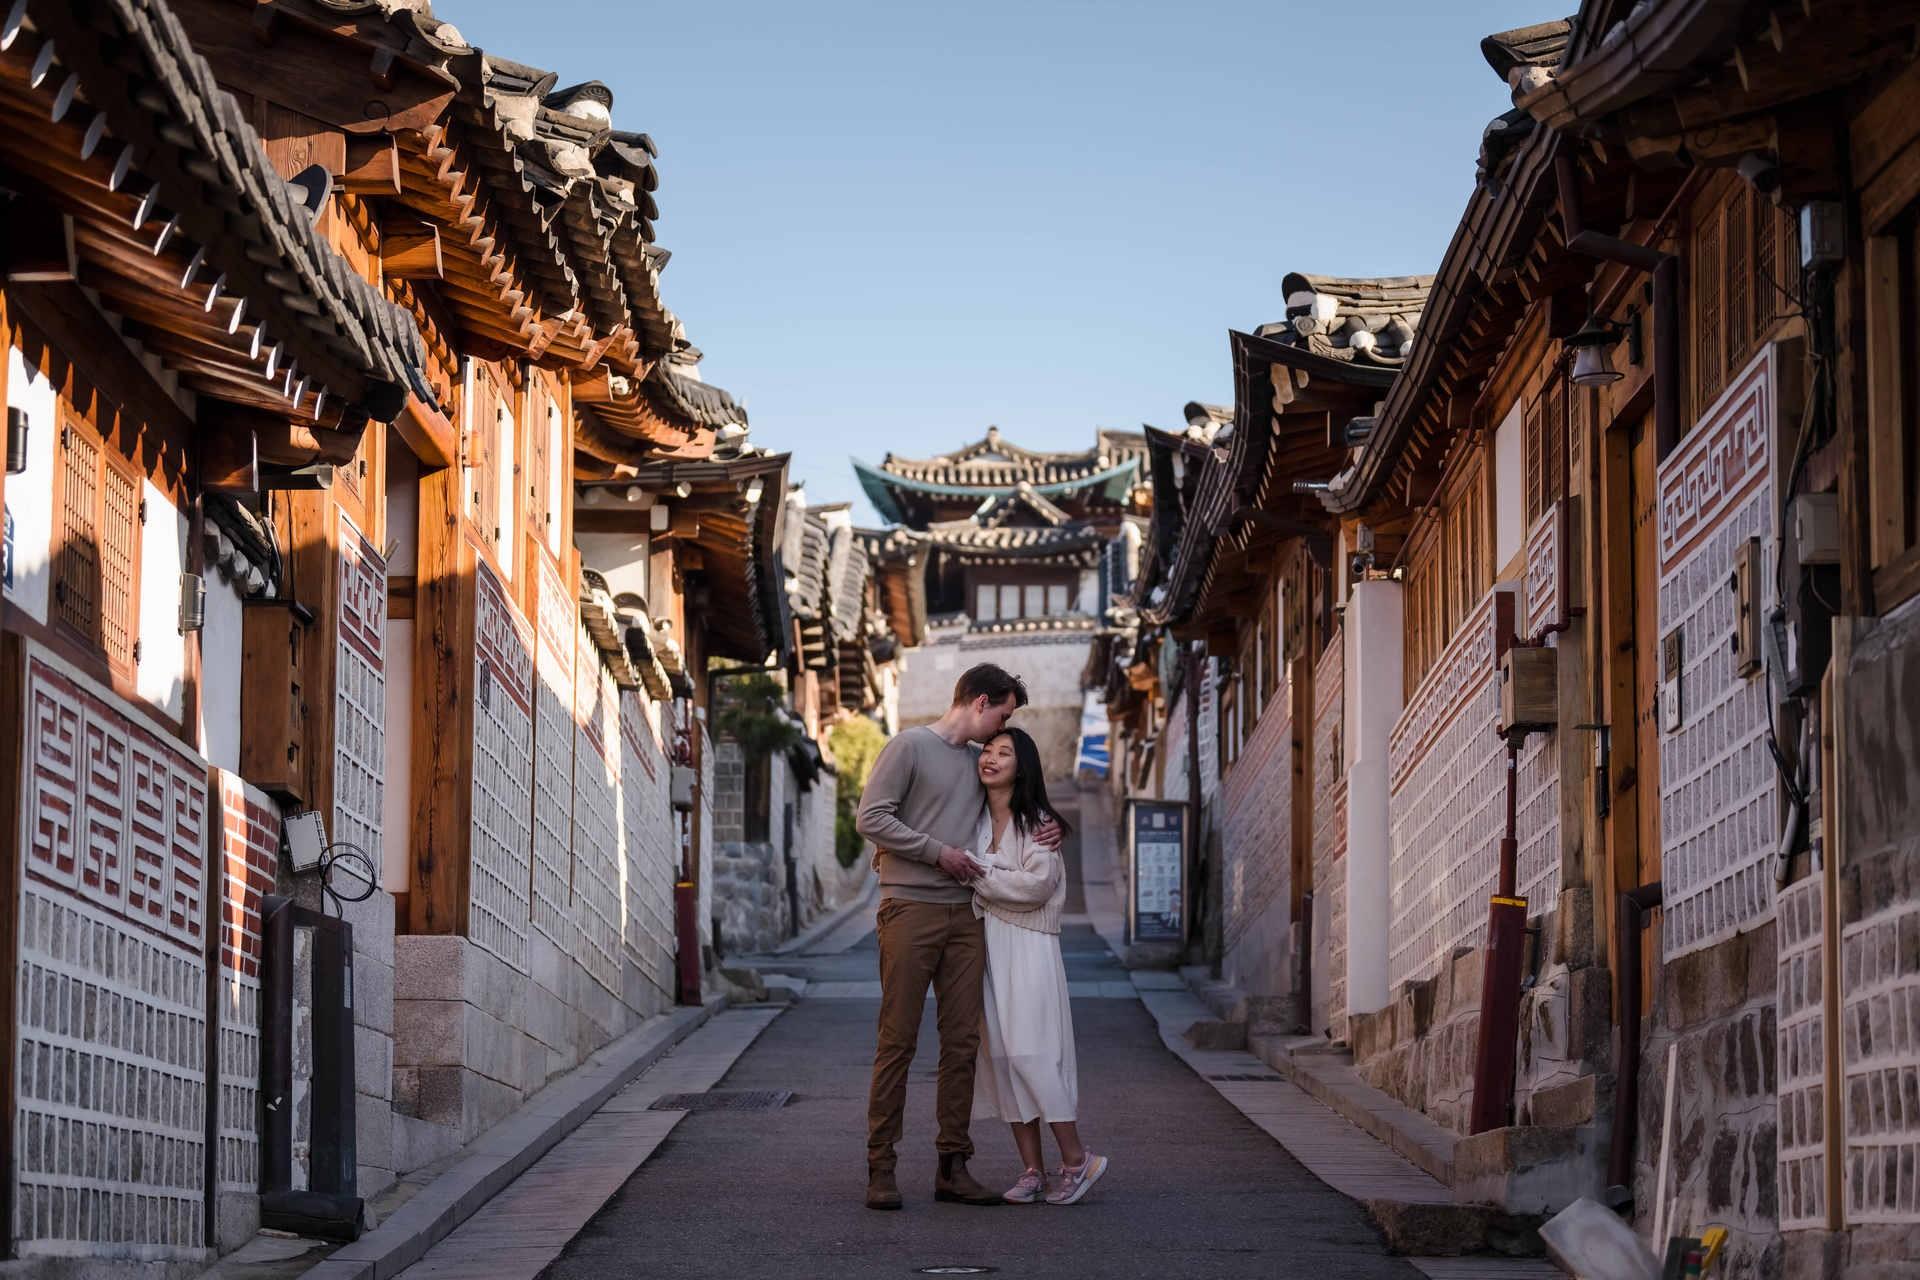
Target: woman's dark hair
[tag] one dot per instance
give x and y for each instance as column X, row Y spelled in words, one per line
column 1029, row 804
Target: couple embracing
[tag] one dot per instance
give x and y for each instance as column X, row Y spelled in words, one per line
column 971, row 888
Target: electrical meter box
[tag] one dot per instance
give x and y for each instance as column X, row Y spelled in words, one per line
column 1529, row 691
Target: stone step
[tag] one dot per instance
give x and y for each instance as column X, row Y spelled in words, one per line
column 1454, row 1230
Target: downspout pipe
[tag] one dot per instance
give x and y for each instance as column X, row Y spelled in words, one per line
column 1629, row 922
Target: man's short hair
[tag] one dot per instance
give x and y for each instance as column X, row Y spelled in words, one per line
column 995, row 682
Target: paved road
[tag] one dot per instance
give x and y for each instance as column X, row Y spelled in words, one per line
column 1196, row 1189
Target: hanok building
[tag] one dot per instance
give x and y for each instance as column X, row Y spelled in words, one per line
column 1238, row 622
column 316, row 319
column 1011, row 541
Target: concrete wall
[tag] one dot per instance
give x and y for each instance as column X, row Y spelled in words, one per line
column 1050, row 663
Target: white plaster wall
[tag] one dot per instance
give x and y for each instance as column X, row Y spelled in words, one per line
column 1050, row 665
column 1509, row 488
column 1090, row 592
column 620, row 557
column 396, row 855
column 30, row 494
column 403, row 508
column 220, row 675
column 1373, row 698
column 161, row 674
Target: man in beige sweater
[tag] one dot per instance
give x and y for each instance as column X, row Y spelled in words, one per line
column 921, row 809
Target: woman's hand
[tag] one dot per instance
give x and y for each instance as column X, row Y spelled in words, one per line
column 1047, row 835
column 959, row 864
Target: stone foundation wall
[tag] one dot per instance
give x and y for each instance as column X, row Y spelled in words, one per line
column 1421, row 1049
column 1717, row 1004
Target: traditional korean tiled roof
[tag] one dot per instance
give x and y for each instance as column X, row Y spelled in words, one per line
column 969, row 541
column 1368, row 322
column 1004, row 508
column 993, row 464
column 679, row 389
column 170, row 152
column 847, row 569
column 1524, row 58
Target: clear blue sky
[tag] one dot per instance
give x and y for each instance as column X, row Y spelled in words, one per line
column 894, row 223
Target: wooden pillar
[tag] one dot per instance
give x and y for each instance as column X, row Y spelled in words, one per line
column 443, row 711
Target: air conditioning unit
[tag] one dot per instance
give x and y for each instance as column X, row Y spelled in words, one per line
column 1529, row 689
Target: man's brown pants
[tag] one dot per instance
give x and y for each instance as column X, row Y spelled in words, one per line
column 920, row 943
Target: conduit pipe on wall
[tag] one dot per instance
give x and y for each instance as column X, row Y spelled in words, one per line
column 1629, row 921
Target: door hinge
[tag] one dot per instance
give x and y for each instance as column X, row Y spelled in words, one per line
column 143, row 511
column 136, row 651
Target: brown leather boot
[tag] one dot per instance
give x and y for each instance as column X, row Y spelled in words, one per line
column 882, row 1191
column 954, row 1183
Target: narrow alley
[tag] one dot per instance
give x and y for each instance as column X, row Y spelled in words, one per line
column 782, row 1187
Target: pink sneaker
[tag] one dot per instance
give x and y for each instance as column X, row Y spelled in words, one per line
column 1032, row 1185
column 1075, row 1183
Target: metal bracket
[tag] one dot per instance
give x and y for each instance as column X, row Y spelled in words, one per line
column 1602, row 766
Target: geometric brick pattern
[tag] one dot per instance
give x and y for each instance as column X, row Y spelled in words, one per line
column 1447, row 785
column 1543, row 570
column 596, row 816
column 1258, row 819
column 109, row 1136
column 650, row 853
column 1800, row 1056
column 1880, row 1049
column 500, row 848
column 1330, row 822
column 553, row 743
column 250, row 849
column 360, row 695
column 1719, row 794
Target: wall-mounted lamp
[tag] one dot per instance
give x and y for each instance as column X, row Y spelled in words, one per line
column 16, row 441
column 1592, row 349
column 683, row 490
column 1312, row 486
column 635, row 493
column 193, row 602
column 755, row 487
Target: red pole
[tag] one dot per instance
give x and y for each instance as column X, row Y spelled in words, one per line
column 686, row 912
column 1495, row 1053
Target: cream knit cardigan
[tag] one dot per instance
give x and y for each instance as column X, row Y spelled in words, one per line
column 1025, row 883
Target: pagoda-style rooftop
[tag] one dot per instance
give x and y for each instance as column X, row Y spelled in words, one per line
column 1097, row 482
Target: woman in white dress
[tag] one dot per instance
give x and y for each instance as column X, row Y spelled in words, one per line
column 1026, row 1072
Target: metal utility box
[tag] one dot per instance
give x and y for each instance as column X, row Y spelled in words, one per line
column 1529, row 689
column 682, row 787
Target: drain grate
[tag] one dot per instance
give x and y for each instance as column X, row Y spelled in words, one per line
column 1251, row 1079
column 725, row 1100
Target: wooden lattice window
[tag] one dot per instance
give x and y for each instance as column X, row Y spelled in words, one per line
column 97, row 547
column 1738, row 247
column 544, row 447
column 483, row 454
column 1893, row 382
column 1449, row 567
column 1546, row 441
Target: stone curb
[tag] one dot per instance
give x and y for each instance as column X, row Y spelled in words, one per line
column 799, row 942
column 1322, row 1074
column 1328, row 1076
column 504, row 1152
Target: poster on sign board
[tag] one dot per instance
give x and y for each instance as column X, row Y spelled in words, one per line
column 1156, row 870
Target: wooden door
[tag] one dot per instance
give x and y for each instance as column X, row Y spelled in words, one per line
column 1646, row 651
column 1629, row 666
